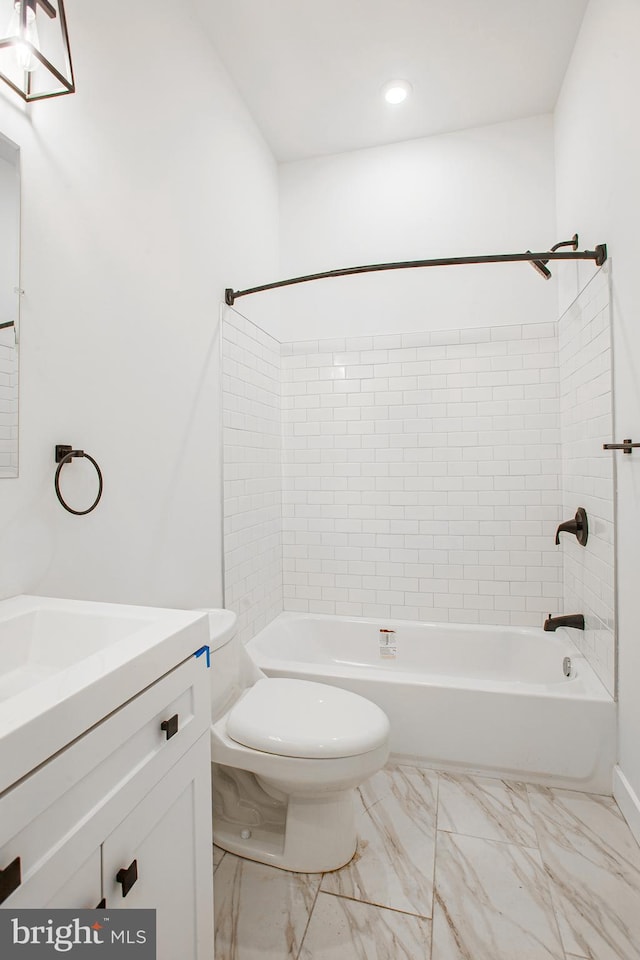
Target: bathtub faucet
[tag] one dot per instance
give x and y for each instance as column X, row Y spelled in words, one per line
column 571, row 620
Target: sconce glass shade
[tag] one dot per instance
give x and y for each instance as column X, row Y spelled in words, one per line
column 35, row 59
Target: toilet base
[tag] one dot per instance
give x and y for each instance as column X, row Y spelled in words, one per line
column 303, row 834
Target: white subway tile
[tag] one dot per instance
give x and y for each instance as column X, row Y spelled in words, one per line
column 432, row 449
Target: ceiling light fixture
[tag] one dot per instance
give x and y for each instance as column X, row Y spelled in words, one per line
column 35, row 59
column 396, row 91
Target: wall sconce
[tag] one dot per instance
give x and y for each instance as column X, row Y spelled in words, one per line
column 35, row 59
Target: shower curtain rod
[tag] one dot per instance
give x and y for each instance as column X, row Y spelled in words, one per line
column 599, row 255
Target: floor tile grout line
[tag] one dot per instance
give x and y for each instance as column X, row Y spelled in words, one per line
column 427, row 794
column 507, row 785
column 548, row 878
column 474, row 836
column 376, row 906
column 216, row 865
column 435, row 862
column 311, row 912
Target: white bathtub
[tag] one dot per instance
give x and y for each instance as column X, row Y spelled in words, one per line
column 488, row 699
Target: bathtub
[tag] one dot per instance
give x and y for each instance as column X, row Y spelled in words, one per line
column 486, row 699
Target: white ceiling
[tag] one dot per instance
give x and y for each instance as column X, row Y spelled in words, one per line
column 311, row 71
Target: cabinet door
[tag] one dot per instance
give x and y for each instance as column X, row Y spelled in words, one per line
column 82, row 891
column 79, row 796
column 61, row 882
column 168, row 835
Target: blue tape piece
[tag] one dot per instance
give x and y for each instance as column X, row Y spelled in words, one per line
column 207, row 652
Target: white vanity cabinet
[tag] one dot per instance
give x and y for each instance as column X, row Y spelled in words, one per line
column 123, row 815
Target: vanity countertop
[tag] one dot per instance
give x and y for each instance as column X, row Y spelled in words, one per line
column 67, row 664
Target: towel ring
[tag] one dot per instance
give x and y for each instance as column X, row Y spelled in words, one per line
column 65, row 454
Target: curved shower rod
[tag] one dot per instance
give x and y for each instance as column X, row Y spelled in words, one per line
column 599, row 255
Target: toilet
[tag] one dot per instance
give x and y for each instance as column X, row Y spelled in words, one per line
column 287, row 756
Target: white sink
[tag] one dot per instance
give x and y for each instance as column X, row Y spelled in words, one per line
column 67, row 664
column 37, row 644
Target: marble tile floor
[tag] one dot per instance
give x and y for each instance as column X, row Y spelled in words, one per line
column 448, row 868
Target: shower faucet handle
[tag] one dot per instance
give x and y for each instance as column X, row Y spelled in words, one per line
column 579, row 527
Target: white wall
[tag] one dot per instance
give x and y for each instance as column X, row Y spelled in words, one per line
column 598, row 158
column 480, row 191
column 144, row 195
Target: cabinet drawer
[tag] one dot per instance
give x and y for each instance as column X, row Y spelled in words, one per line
column 82, row 783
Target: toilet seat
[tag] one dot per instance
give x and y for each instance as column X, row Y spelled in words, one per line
column 300, row 718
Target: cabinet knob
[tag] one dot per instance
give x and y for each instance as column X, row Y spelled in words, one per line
column 127, row 877
column 10, row 879
column 170, row 726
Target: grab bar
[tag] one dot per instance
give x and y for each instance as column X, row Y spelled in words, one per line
column 626, row 446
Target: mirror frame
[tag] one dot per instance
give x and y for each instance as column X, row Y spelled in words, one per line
column 10, row 153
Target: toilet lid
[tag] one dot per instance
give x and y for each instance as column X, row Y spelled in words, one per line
column 299, row 718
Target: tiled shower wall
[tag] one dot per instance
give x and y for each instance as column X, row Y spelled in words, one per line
column 252, row 473
column 422, row 475
column 587, row 423
column 8, row 403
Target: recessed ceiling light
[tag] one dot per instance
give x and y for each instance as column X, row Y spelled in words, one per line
column 396, row 91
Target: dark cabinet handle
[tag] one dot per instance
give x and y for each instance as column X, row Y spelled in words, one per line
column 102, row 905
column 127, row 877
column 170, row 726
column 10, row 879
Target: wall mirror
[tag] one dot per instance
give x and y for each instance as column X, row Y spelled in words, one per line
column 9, row 304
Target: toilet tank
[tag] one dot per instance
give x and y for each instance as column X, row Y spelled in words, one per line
column 232, row 668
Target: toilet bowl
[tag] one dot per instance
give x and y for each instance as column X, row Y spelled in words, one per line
column 287, row 756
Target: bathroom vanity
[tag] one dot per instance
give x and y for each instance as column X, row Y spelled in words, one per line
column 105, row 794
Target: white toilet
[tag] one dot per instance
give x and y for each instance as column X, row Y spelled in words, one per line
column 287, row 756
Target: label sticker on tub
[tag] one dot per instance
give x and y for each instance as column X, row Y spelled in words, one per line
column 388, row 646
